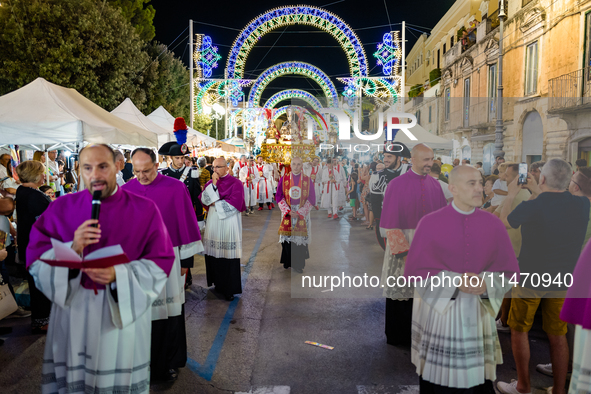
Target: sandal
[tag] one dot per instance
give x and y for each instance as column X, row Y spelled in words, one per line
column 369, row 228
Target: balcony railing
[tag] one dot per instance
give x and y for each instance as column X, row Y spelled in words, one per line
column 570, row 90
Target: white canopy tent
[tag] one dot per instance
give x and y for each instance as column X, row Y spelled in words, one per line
column 42, row 113
column 129, row 112
column 164, row 119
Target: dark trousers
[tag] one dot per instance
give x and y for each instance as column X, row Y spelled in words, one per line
column 40, row 305
column 293, row 255
column 398, row 322
column 432, row 388
column 169, row 345
column 224, row 274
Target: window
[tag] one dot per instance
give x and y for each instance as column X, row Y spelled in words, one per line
column 418, row 115
column 444, row 49
column 447, row 103
column 467, row 102
column 492, row 91
column 451, row 41
column 531, row 68
column 430, row 114
column 438, row 57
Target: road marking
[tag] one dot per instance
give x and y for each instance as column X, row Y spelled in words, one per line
column 267, row 390
column 206, row 370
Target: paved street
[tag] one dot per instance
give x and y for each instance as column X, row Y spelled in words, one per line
column 255, row 344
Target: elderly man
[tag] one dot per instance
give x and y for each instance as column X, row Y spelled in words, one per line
column 559, row 218
column 120, row 163
column 455, row 346
column 295, row 195
column 224, row 198
column 99, row 331
column 169, row 338
column 249, row 177
column 408, row 198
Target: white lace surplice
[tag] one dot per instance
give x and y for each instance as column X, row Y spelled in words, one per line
column 455, row 342
column 223, row 234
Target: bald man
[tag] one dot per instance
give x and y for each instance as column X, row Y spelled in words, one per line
column 408, row 198
column 454, row 342
column 98, row 338
column 223, row 196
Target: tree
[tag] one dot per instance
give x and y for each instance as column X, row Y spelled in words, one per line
column 141, row 18
column 203, row 123
column 166, row 82
column 79, row 44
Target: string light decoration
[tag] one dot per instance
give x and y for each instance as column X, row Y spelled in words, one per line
column 206, row 56
column 292, row 15
column 298, row 68
column 389, row 54
column 386, row 89
column 207, row 94
column 233, row 89
column 311, row 117
column 292, row 94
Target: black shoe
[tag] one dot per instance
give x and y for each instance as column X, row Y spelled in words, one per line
column 172, row 375
column 188, row 284
column 299, row 270
column 229, row 297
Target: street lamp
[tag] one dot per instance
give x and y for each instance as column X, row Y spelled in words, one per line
column 218, row 112
column 499, row 124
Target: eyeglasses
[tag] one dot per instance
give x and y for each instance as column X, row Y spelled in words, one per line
column 576, row 183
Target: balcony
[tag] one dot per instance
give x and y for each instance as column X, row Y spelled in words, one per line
column 570, row 91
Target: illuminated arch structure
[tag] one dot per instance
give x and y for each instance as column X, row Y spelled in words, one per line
column 293, row 94
column 297, row 68
column 292, row 15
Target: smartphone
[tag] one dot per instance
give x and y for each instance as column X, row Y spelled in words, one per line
column 522, row 180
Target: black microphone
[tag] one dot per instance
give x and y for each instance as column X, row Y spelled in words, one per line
column 96, row 206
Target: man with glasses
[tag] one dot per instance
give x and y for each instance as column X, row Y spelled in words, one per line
column 224, row 198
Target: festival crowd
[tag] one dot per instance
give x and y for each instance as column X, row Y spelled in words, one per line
column 111, row 301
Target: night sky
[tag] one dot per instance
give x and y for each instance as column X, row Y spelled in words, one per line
column 368, row 18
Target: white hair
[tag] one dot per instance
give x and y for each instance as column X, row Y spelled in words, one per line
column 557, row 173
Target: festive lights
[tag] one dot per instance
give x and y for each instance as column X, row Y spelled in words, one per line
column 291, row 15
column 206, row 56
column 232, row 88
column 389, row 53
column 292, row 94
column 381, row 88
column 299, row 68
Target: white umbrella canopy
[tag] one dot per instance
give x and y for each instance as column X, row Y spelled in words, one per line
column 164, row 119
column 129, row 112
column 44, row 113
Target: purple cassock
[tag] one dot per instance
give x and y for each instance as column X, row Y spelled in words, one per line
column 296, row 181
column 577, row 305
column 174, row 202
column 447, row 240
column 145, row 237
column 408, row 198
column 231, row 190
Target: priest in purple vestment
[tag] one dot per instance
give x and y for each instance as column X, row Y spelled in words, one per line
column 224, row 198
column 98, row 338
column 295, row 196
column 408, row 198
column 464, row 260
column 577, row 310
column 169, row 338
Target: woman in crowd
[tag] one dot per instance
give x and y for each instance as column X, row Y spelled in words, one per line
column 48, row 191
column 30, row 204
column 488, row 193
column 352, row 194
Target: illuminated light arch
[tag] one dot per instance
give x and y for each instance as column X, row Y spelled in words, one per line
column 292, row 94
column 208, row 89
column 289, row 68
column 292, row 15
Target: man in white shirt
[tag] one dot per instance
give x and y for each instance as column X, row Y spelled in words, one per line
column 500, row 186
column 435, row 172
column 120, row 164
column 54, row 170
